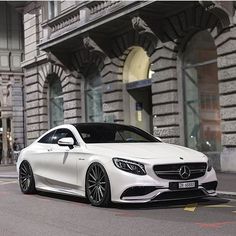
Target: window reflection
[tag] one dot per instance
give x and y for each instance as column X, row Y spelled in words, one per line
column 202, row 114
column 55, row 102
column 52, row 9
column 93, row 93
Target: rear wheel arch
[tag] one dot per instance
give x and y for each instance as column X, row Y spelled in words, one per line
column 26, row 178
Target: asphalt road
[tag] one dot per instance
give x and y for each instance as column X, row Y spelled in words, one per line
column 51, row 214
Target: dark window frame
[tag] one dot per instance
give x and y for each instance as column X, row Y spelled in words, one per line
column 48, row 134
column 97, row 133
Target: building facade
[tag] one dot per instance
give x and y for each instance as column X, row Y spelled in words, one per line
column 166, row 67
column 11, row 80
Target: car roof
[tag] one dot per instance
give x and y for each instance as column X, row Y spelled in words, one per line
column 77, row 125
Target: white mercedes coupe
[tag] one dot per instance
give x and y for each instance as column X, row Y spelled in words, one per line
column 112, row 162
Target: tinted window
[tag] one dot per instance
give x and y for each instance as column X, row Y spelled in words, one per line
column 112, row 133
column 62, row 133
column 47, row 138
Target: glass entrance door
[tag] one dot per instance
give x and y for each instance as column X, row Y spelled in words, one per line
column 202, row 113
column 201, row 94
column 141, row 108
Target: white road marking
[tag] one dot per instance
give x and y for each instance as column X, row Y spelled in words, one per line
column 219, row 206
column 7, row 182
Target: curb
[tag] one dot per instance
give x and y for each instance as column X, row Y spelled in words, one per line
column 8, row 177
column 225, row 194
column 6, row 165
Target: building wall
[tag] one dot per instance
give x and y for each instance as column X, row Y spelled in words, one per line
column 65, row 5
column 38, row 66
column 227, row 77
column 11, row 75
column 167, row 85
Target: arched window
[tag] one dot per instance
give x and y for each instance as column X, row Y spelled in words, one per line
column 138, row 97
column 137, row 65
column 55, row 101
column 201, row 94
column 93, row 95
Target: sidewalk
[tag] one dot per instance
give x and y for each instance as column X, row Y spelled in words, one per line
column 8, row 171
column 226, row 184
column 226, row 181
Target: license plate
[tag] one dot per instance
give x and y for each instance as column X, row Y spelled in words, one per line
column 187, row 185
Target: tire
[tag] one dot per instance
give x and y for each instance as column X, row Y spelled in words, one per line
column 98, row 186
column 26, row 178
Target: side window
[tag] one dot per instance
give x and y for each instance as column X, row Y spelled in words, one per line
column 63, row 133
column 47, row 138
column 52, row 9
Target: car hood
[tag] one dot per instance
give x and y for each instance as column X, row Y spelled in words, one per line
column 164, row 153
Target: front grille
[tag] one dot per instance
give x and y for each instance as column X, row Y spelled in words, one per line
column 172, row 171
column 174, row 195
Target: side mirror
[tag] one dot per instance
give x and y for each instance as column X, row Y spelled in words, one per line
column 68, row 142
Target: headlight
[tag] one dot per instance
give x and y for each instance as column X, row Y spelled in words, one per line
column 129, row 166
column 209, row 165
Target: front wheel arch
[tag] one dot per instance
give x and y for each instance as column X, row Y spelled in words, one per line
column 107, row 198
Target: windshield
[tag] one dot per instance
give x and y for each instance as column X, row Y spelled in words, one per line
column 112, row 133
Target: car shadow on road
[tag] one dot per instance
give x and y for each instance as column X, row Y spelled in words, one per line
column 63, row 197
column 171, row 204
column 140, row 206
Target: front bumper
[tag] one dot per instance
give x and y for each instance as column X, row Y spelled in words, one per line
column 131, row 188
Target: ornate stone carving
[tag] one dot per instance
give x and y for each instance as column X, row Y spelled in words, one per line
column 220, row 9
column 92, row 46
column 142, row 28
column 98, row 6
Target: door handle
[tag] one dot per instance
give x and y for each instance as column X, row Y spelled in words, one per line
column 49, row 149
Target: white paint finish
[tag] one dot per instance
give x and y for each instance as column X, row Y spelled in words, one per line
column 63, row 170
column 162, row 153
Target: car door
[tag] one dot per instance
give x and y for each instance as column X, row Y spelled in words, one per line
column 62, row 161
column 40, row 153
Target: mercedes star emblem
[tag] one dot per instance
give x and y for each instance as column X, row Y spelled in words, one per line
column 184, row 172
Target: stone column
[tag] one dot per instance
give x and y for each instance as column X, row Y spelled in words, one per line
column 72, row 99
column 166, row 116
column 4, row 141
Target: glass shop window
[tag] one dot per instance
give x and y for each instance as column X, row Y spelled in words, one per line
column 201, row 94
column 56, row 112
column 93, row 97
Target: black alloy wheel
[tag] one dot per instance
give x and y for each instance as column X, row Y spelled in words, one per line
column 26, row 178
column 98, row 185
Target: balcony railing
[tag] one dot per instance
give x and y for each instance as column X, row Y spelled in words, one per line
column 96, row 8
column 65, row 22
column 87, row 13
